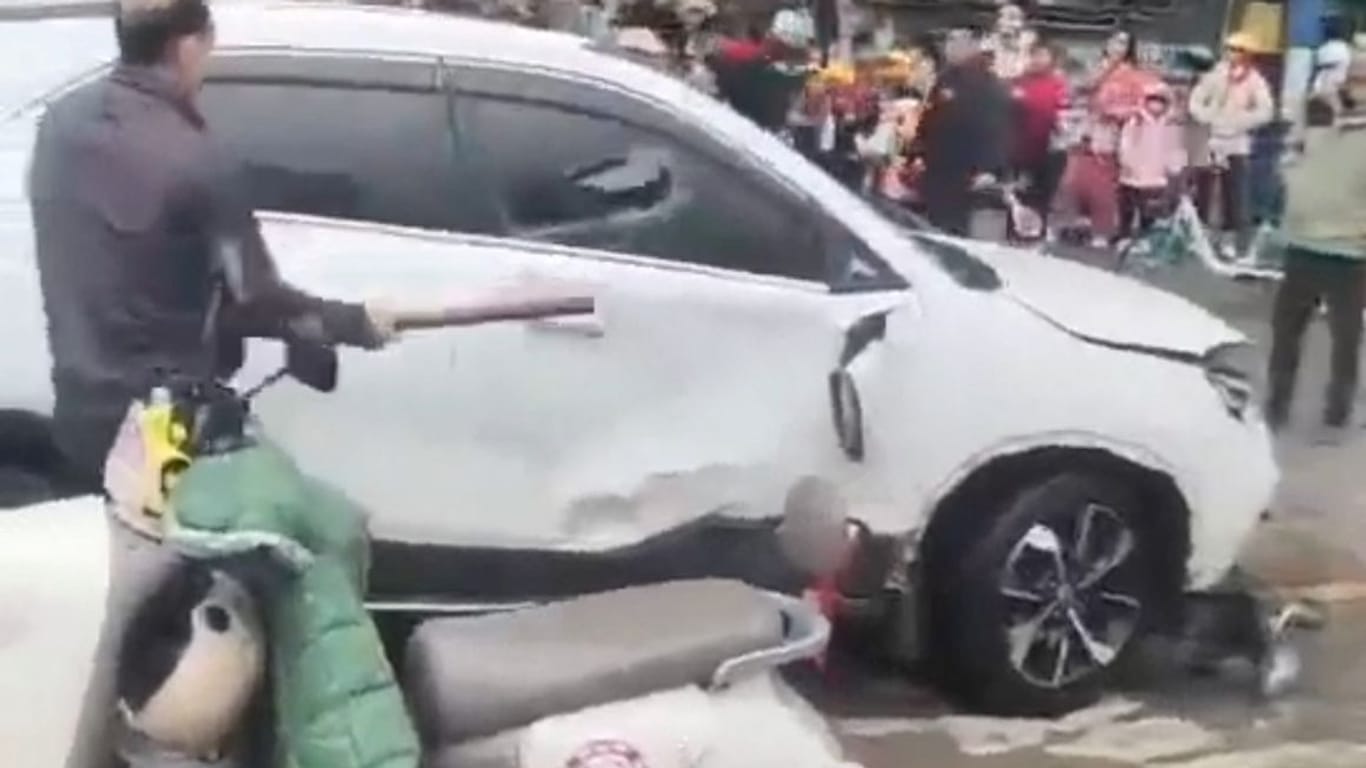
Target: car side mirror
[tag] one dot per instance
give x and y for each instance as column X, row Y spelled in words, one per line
column 313, row 365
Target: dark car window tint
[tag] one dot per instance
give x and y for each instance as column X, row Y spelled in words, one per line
column 585, row 180
column 368, row 155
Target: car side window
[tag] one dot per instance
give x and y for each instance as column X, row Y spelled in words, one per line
column 581, row 178
column 363, row 154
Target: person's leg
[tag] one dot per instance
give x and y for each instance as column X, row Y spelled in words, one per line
column 1346, row 301
column 1236, row 194
column 947, row 206
column 1296, row 299
column 1050, row 180
column 1203, row 182
column 1105, row 198
column 1150, row 204
column 83, row 440
column 1128, row 209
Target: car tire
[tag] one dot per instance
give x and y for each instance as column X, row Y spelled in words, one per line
column 1047, row 600
column 20, row 486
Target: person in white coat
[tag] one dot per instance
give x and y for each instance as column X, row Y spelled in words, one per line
column 1233, row 100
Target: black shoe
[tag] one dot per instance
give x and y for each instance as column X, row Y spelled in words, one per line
column 1337, row 418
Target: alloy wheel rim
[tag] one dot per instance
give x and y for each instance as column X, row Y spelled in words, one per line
column 1070, row 603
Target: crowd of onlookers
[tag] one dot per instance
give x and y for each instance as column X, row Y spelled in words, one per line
column 945, row 124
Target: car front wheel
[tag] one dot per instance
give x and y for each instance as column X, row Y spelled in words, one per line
column 1048, row 599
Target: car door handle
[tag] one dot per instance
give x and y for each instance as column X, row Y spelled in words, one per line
column 586, row 326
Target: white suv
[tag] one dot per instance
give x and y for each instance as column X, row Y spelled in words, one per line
column 1046, row 455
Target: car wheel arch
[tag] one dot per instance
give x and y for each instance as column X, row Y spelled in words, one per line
column 967, row 506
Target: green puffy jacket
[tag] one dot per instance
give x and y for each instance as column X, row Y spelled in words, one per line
column 336, row 701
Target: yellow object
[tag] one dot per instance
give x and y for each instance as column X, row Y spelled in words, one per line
column 1261, row 30
column 837, row 73
column 165, row 447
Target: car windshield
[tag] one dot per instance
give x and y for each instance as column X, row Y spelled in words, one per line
column 967, row 270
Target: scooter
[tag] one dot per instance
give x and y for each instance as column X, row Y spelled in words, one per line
column 117, row 644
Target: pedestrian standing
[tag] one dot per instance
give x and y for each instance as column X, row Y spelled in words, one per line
column 1040, row 95
column 1011, row 43
column 964, row 134
column 1151, row 157
column 1233, row 100
column 1324, row 236
column 1091, row 182
column 1333, row 58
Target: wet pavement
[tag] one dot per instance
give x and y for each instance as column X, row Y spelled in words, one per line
column 1313, row 546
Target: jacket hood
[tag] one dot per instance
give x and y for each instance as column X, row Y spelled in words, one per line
column 1103, row 307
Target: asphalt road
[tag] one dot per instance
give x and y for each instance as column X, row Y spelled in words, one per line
column 1314, row 545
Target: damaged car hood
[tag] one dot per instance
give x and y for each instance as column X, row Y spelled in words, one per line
column 1101, row 306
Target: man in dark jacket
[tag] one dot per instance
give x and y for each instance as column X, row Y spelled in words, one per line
column 136, row 213
column 964, row 136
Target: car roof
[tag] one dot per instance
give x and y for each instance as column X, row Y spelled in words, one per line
column 46, row 43
column 388, row 29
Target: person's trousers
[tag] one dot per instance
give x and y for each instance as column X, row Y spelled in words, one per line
column 84, row 433
column 845, row 168
column 1141, row 204
column 948, row 204
column 1043, row 176
column 1090, row 186
column 1233, row 198
column 1311, row 277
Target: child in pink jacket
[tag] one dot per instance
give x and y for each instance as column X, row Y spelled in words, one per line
column 1151, row 155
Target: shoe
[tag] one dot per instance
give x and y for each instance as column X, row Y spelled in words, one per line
column 1331, row 435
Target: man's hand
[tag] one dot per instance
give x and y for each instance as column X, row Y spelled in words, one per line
column 383, row 323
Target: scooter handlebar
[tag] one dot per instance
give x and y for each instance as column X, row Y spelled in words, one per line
column 494, row 311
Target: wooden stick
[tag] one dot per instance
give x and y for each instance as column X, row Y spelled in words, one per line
column 495, row 311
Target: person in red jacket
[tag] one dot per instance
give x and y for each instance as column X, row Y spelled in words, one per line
column 1040, row 96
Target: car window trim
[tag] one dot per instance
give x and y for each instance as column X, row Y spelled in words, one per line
column 643, row 110
column 331, row 68
column 477, row 240
column 637, row 112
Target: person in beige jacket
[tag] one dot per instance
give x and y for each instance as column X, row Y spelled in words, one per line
column 1232, row 100
column 1323, row 232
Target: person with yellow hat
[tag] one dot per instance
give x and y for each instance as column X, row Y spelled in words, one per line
column 1233, row 99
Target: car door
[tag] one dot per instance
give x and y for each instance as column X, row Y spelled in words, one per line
column 350, row 162
column 701, row 386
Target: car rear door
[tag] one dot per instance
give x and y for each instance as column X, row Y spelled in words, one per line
column 351, row 165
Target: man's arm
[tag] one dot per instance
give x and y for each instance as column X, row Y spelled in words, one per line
column 263, row 304
column 1262, row 110
column 1199, row 105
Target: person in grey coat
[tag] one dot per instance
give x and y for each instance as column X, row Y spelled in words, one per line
column 135, row 212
